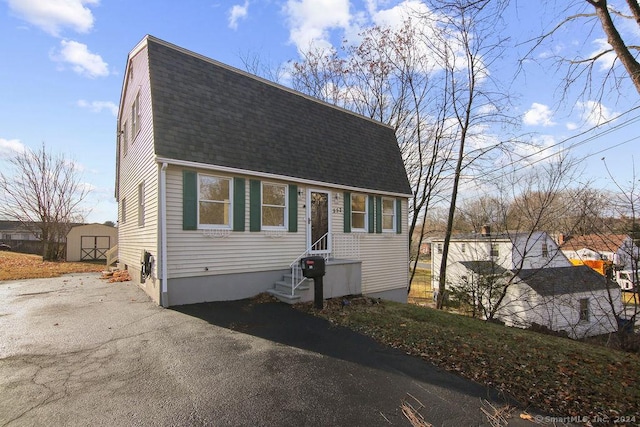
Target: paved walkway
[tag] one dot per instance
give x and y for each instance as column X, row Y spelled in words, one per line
column 79, row 351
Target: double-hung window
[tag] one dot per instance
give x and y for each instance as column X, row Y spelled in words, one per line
column 125, row 139
column 123, row 211
column 135, row 117
column 359, row 212
column 584, row 309
column 388, row 215
column 495, row 251
column 274, row 206
column 214, row 201
column 141, row 204
column 545, row 250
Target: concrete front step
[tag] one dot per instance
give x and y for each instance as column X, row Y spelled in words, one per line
column 282, row 289
column 284, row 296
column 285, row 286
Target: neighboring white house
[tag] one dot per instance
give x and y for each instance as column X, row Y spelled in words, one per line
column 544, row 287
column 224, row 180
column 617, row 248
column 90, row 242
column 509, row 251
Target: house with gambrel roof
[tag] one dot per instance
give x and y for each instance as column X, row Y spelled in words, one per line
column 225, row 180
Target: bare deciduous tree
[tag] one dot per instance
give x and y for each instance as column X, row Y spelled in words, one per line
column 44, row 193
column 599, row 68
column 471, row 45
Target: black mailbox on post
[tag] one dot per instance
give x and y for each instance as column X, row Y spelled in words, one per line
column 313, row 268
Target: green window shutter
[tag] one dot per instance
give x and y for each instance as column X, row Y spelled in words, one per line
column 238, row 204
column 370, row 200
column 189, row 200
column 255, row 206
column 293, row 208
column 378, row 214
column 398, row 216
column 347, row 212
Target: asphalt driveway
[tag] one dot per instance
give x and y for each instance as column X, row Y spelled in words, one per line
column 79, row 351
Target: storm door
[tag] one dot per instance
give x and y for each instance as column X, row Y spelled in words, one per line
column 318, row 222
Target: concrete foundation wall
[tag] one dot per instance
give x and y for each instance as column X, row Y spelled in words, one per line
column 226, row 287
column 343, row 277
column 398, row 295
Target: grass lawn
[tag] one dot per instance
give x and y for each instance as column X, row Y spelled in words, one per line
column 556, row 375
column 14, row 266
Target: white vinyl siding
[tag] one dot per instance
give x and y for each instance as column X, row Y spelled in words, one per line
column 385, row 259
column 237, row 252
column 137, row 167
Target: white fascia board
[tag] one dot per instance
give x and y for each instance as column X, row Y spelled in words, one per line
column 237, row 171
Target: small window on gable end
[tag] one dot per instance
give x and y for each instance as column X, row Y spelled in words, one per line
column 274, row 205
column 439, row 248
column 545, row 250
column 358, row 212
column 388, row 215
column 141, row 204
column 463, row 247
column 135, row 117
column 125, row 139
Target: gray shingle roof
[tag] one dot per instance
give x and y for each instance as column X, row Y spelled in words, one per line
column 565, row 280
column 485, row 267
column 206, row 112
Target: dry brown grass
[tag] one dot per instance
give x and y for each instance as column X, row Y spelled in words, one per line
column 15, row 266
column 421, row 291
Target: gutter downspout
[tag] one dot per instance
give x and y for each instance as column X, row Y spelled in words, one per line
column 164, row 296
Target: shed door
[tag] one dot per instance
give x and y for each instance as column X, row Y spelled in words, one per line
column 94, row 247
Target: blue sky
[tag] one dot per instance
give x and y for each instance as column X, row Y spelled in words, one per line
column 62, row 63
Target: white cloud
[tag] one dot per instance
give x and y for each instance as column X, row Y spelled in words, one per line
column 311, row 20
column 238, row 12
column 82, row 61
column 539, row 148
column 10, row 147
column 98, row 106
column 397, row 15
column 607, row 60
column 594, row 113
column 52, row 16
column 538, row 115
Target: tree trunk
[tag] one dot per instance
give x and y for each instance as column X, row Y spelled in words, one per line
column 615, row 40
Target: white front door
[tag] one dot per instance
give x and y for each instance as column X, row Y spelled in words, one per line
column 318, row 222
